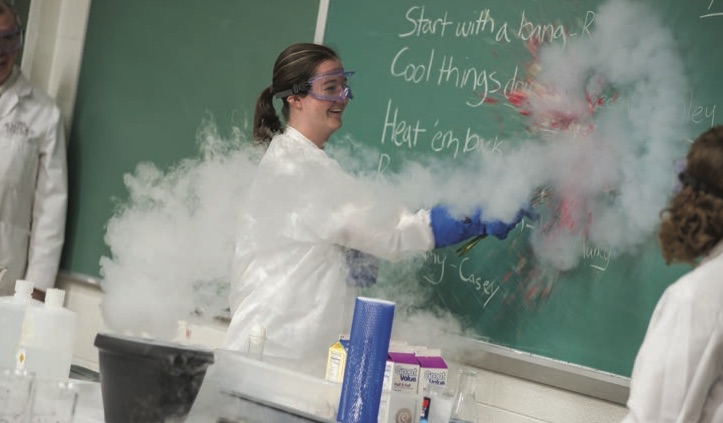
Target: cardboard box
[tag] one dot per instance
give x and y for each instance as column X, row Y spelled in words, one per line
column 336, row 360
column 433, row 370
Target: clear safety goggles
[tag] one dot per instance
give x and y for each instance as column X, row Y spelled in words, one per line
column 331, row 86
column 11, row 41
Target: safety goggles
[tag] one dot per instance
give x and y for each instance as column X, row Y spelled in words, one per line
column 327, row 87
column 11, row 41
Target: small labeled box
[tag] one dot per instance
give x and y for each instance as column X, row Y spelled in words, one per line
column 396, row 406
column 336, row 360
column 404, row 371
column 433, row 370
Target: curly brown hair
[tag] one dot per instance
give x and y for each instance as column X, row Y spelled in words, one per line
column 692, row 224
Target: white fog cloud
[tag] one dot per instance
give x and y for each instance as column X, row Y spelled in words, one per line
column 610, row 173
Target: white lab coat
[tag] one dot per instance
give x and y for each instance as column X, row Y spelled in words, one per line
column 289, row 271
column 678, row 373
column 33, row 185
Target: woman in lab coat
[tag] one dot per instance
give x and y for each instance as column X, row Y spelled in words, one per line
column 678, row 373
column 305, row 218
column 33, row 181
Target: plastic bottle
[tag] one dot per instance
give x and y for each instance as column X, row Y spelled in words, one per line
column 464, row 406
column 12, row 315
column 48, row 338
column 257, row 341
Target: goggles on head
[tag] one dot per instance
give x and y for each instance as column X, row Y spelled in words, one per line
column 328, row 87
column 11, row 41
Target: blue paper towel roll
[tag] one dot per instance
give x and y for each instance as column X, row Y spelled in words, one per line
column 371, row 329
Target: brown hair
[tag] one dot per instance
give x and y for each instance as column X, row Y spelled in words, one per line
column 294, row 66
column 692, row 224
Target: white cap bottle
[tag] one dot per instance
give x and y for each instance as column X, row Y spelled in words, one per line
column 48, row 338
column 257, row 341
column 24, row 289
column 12, row 315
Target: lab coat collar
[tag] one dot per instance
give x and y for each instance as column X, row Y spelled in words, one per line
column 10, row 81
column 715, row 252
column 15, row 88
column 295, row 134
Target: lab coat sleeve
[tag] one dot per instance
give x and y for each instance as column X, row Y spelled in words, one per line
column 47, row 231
column 672, row 371
column 411, row 234
column 303, row 195
column 381, row 228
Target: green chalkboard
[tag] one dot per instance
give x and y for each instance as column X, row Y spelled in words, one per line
column 436, row 80
column 151, row 73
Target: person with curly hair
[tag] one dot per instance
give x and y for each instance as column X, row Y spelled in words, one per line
column 678, row 372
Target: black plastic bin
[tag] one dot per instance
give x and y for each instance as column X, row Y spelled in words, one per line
column 144, row 380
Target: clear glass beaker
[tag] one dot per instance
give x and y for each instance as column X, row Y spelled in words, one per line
column 464, row 405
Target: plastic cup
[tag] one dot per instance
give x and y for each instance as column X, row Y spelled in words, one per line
column 15, row 395
column 54, row 401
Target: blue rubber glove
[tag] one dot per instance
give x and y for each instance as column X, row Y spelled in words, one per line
column 449, row 231
column 500, row 230
column 363, row 268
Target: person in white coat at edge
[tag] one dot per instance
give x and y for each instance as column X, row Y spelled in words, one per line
column 678, row 372
column 33, row 174
column 307, row 226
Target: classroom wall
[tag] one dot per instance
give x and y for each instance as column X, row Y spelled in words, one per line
column 55, row 36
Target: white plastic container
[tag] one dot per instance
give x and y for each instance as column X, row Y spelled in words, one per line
column 257, row 341
column 12, row 315
column 48, row 338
